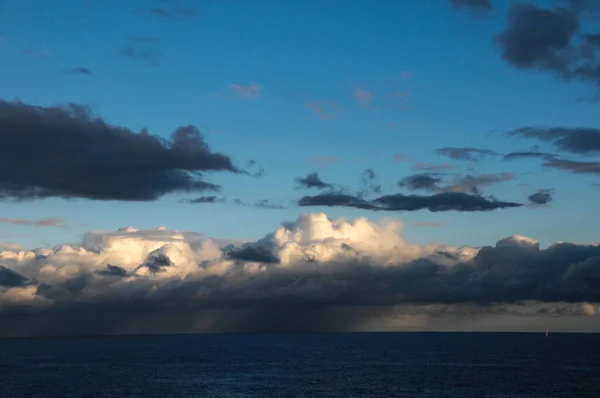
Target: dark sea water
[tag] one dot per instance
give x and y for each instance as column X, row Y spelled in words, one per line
column 332, row 365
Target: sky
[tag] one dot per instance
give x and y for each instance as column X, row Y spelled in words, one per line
column 265, row 138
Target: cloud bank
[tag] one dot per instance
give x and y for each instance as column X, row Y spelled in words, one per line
column 312, row 274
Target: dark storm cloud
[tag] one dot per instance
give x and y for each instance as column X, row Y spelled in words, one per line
column 471, row 154
column 549, row 40
column 10, row 278
column 312, row 180
column 574, row 140
column 68, row 152
column 445, row 201
column 422, row 181
column 541, row 197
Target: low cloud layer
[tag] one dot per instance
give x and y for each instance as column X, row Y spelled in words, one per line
column 346, row 271
column 70, row 153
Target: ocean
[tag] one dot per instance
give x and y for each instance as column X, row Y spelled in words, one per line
column 305, row 365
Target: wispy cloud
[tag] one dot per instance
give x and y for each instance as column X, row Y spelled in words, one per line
column 320, row 110
column 363, row 96
column 477, row 8
column 80, row 70
column 171, row 11
column 322, row 161
column 430, row 166
column 251, row 91
column 470, row 154
column 37, row 53
column 56, row 222
column 406, row 74
column 150, row 55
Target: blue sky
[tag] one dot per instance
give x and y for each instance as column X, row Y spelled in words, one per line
column 434, row 76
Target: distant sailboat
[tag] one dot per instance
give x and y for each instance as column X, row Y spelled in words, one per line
column 546, row 332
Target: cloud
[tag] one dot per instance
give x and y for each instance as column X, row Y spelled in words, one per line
column 445, row 201
column 311, row 274
column 252, row 91
column 175, row 12
column 252, row 253
column 46, row 222
column 369, row 183
column 320, row 110
column 424, row 166
column 70, row 153
column 475, row 7
column 541, row 197
column 312, row 180
column 149, row 55
column 554, row 46
column 269, row 204
column 574, row 140
column 573, row 166
column 473, row 183
column 9, row 278
column 80, row 70
column 260, row 204
column 205, row 199
column 363, row 96
column 322, row 161
column 471, row 154
column 113, row 270
column 421, row 182
column 37, row 53
column 432, row 182
column 525, row 155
